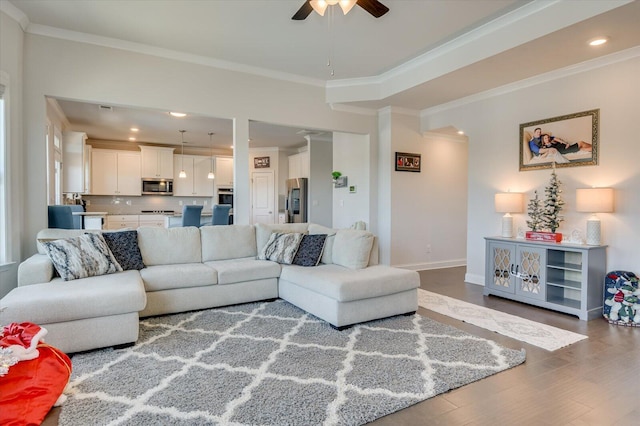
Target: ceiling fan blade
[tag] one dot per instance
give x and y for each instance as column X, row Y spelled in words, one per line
column 374, row 7
column 303, row 12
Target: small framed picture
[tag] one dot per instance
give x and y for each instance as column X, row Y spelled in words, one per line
column 261, row 162
column 352, row 189
column 406, row 162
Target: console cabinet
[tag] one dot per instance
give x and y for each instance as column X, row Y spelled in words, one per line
column 563, row 277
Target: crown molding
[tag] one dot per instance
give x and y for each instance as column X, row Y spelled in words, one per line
column 398, row 110
column 444, row 136
column 533, row 20
column 589, row 65
column 59, row 33
column 15, row 14
column 353, row 109
column 53, row 103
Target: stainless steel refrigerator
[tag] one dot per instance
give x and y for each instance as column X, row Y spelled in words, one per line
column 296, row 203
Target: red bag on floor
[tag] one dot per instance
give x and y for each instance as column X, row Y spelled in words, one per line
column 32, row 386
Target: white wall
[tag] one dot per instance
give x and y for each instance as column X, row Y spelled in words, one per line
column 351, row 157
column 427, row 209
column 11, row 76
column 320, row 185
column 79, row 71
column 492, row 126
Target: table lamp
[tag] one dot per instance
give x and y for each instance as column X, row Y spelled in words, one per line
column 594, row 200
column 508, row 202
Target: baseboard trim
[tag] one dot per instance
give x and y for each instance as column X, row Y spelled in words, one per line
column 433, row 265
column 474, row 279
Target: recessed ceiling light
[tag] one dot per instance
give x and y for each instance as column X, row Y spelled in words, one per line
column 598, row 41
column 178, row 114
column 132, row 138
column 231, row 146
column 460, row 132
column 134, row 129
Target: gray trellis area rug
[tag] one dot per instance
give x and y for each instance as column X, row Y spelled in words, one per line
column 271, row 363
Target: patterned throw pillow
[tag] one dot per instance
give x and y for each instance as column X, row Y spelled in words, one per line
column 281, row 248
column 84, row 256
column 310, row 250
column 124, row 246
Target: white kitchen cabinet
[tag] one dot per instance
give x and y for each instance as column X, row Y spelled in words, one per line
column 115, row 173
column 196, row 184
column 74, row 163
column 122, row 221
column 157, row 163
column 154, row 220
column 224, row 171
column 299, row 165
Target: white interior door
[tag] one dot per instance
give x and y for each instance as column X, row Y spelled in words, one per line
column 262, row 197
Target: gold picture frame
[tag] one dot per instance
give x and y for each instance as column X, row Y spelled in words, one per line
column 567, row 140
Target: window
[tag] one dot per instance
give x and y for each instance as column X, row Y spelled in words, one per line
column 4, row 240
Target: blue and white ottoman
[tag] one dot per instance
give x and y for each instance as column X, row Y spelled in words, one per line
column 621, row 298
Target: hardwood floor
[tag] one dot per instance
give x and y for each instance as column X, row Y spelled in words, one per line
column 592, row 382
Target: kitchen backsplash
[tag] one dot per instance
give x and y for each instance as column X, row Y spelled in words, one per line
column 134, row 205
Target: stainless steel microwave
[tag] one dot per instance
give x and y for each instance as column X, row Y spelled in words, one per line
column 157, row 186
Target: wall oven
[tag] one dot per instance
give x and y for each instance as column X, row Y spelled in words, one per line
column 225, row 196
column 157, row 186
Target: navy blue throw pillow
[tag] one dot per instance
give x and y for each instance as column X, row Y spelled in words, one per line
column 310, row 250
column 124, row 246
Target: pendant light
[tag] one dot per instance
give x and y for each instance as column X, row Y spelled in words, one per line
column 211, row 175
column 182, row 173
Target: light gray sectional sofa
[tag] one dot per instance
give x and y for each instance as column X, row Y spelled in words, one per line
column 197, row 268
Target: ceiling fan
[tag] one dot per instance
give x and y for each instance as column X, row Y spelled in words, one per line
column 374, row 7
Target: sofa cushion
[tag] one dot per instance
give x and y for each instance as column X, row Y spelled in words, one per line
column 264, row 231
column 327, row 254
column 166, row 246
column 227, row 242
column 281, row 248
column 83, row 256
column 124, row 246
column 344, row 285
column 247, row 269
column 310, row 250
column 60, row 301
column 351, row 248
column 167, row 277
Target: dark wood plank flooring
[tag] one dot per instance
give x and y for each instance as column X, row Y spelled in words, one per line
column 592, row 382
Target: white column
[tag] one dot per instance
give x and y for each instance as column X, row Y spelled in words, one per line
column 241, row 179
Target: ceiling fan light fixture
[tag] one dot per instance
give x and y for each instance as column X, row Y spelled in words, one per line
column 320, row 6
column 347, row 5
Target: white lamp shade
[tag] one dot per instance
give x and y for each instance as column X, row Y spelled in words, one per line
column 594, row 200
column 509, row 202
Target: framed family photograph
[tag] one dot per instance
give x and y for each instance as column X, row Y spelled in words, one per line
column 406, row 162
column 261, row 162
column 568, row 140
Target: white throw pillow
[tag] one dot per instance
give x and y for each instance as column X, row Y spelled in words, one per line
column 351, row 248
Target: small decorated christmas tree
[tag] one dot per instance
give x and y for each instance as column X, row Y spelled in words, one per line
column 553, row 203
column 534, row 209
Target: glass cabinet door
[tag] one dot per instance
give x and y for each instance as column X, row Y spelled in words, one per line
column 530, row 280
column 501, row 262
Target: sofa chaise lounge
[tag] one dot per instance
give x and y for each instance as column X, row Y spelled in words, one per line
column 193, row 268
